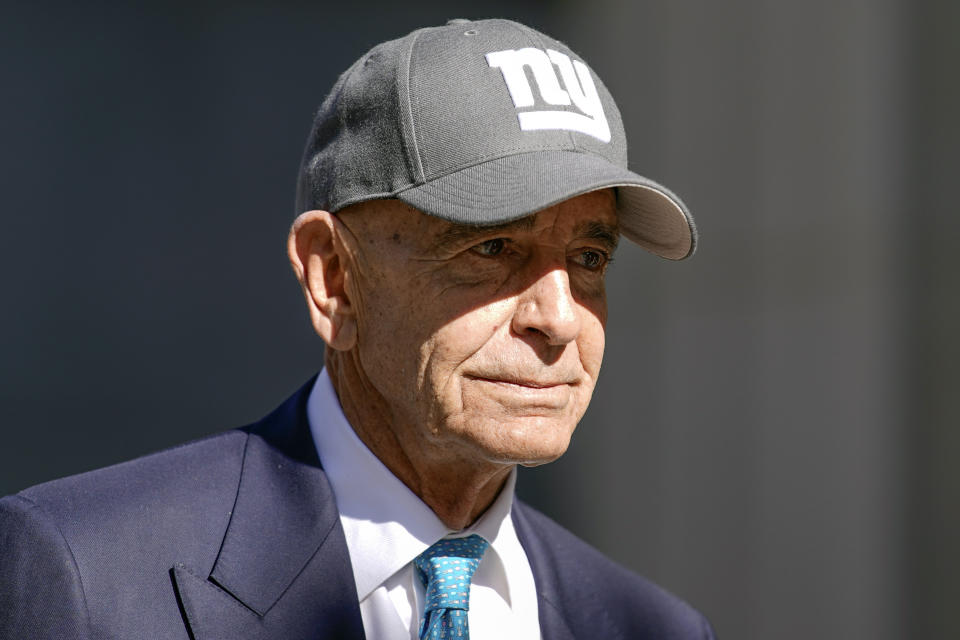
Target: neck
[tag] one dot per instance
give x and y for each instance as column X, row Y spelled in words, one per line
column 458, row 487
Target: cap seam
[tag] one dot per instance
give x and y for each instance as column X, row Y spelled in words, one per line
column 513, row 152
column 396, row 192
column 413, row 150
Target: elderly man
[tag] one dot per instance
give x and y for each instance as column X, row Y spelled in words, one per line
column 461, row 195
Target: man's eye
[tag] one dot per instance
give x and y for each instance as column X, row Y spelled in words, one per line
column 593, row 260
column 490, row 247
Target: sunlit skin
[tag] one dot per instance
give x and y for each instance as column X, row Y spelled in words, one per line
column 458, row 352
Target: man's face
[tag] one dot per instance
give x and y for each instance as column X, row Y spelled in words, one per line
column 481, row 342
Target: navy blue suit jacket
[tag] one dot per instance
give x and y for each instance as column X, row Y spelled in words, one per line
column 237, row 536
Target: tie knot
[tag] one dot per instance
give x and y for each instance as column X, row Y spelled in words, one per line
column 446, row 569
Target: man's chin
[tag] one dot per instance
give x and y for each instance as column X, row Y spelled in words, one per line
column 536, row 463
column 528, row 441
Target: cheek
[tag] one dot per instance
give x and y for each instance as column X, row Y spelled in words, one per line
column 387, row 344
column 449, row 347
column 592, row 345
column 592, row 338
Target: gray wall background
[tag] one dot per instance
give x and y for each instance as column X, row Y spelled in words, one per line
column 774, row 435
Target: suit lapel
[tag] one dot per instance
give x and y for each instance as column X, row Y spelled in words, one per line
column 283, row 570
column 553, row 611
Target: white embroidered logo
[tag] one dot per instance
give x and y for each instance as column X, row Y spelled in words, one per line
column 576, row 79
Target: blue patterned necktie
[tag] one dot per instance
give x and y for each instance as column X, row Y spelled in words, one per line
column 446, row 569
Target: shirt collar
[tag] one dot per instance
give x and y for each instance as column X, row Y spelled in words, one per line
column 386, row 525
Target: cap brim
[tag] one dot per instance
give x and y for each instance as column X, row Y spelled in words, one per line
column 515, row 186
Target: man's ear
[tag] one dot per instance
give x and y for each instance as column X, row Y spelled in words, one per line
column 319, row 259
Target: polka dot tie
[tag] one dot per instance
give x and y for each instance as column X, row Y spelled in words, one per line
column 446, row 569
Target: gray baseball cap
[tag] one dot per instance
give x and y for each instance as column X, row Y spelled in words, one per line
column 481, row 122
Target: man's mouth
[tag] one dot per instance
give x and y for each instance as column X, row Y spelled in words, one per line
column 532, row 383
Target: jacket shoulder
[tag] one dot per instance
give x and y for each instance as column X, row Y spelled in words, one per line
column 593, row 592
column 183, row 474
column 106, row 540
column 38, row 571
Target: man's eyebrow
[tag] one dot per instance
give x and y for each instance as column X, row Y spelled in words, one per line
column 608, row 234
column 457, row 233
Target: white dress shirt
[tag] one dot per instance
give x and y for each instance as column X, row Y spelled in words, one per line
column 387, row 526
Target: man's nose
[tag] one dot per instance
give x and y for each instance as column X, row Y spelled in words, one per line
column 547, row 307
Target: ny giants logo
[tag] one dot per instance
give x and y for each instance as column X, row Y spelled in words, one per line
column 578, row 87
